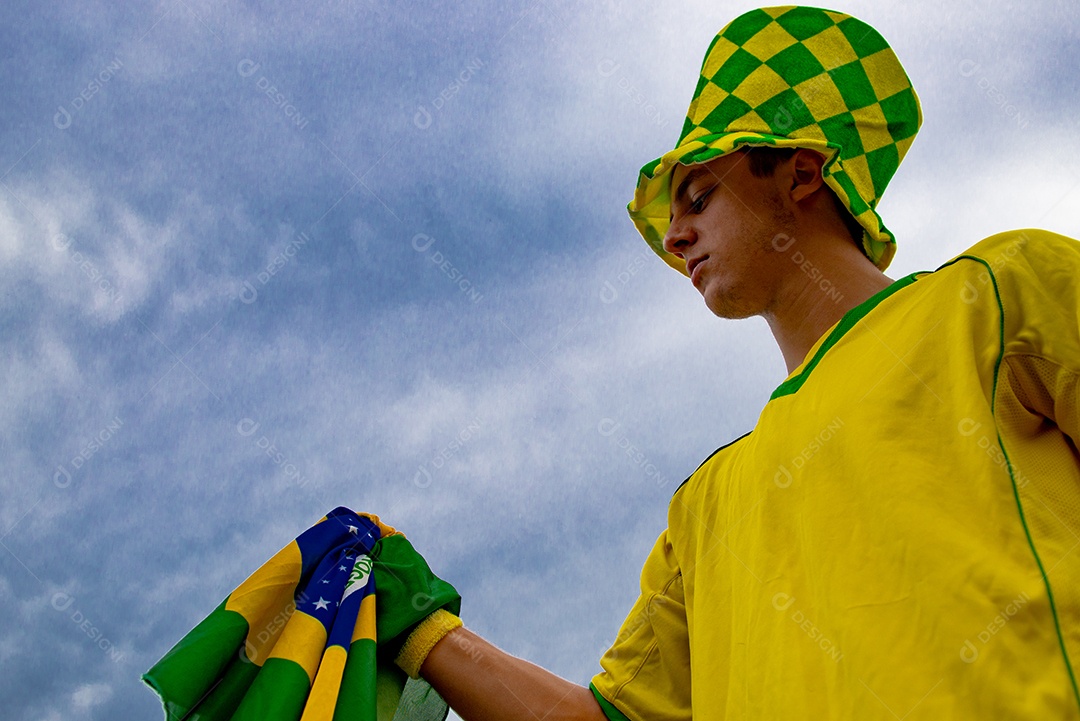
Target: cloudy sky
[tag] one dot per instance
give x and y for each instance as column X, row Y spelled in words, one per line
column 389, row 240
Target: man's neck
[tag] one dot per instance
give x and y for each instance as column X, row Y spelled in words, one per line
column 824, row 287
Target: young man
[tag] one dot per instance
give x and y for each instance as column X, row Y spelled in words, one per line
column 899, row 535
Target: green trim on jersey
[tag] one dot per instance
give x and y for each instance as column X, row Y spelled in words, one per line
column 853, row 316
column 729, row 443
column 1012, row 475
column 610, row 711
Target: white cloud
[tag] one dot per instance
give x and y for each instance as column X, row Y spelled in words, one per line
column 56, row 239
column 88, row 696
column 1022, row 187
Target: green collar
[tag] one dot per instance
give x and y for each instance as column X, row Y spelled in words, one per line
column 853, row 316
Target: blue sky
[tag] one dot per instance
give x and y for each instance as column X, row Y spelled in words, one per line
column 390, row 240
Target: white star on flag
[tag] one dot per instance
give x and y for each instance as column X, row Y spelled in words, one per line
column 353, row 529
column 342, row 568
column 321, row 603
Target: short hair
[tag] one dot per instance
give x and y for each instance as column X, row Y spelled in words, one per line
column 764, row 160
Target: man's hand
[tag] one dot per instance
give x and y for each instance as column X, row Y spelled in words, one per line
column 407, row 592
column 479, row 681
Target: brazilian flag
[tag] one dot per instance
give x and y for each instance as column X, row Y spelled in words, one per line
column 296, row 641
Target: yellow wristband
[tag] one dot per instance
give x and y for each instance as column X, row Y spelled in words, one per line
column 423, row 638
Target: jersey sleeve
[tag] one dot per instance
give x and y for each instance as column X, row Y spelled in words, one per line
column 646, row 674
column 1035, row 402
column 1040, row 275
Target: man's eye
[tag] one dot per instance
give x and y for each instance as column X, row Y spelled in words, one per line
column 698, row 204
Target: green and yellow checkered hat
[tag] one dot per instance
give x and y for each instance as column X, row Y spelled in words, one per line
column 795, row 77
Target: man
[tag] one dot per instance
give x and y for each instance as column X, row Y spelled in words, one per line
column 898, row 536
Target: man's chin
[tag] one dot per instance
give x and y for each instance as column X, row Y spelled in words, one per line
column 727, row 305
column 734, row 315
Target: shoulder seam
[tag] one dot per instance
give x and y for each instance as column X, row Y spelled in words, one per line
column 709, row 458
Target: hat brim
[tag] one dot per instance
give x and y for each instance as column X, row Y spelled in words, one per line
column 650, row 210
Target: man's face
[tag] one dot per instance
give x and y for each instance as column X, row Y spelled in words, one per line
column 724, row 225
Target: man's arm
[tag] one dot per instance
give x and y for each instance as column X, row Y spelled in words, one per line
column 482, row 683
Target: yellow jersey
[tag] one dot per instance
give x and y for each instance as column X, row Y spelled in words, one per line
column 899, row 535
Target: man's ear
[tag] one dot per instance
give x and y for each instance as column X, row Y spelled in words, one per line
column 806, row 177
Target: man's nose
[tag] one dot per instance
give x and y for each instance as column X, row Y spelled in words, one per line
column 680, row 236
